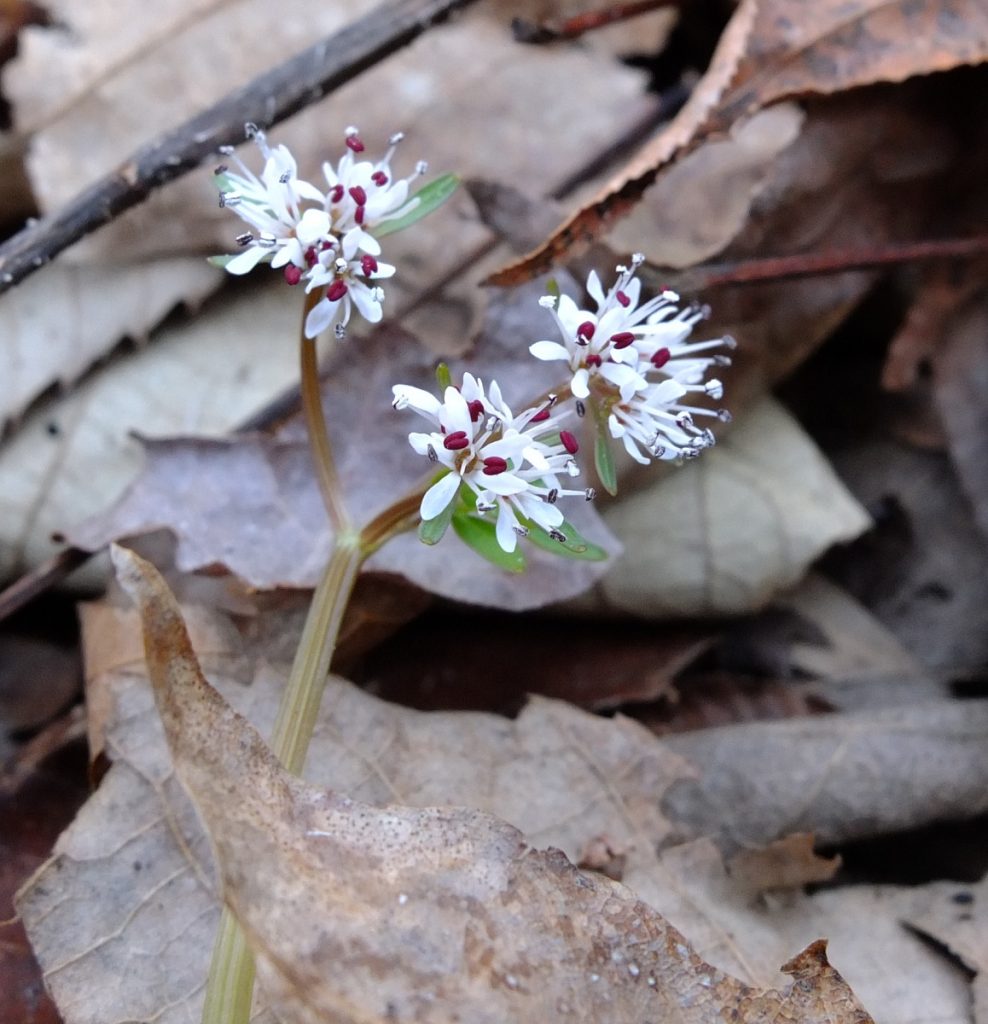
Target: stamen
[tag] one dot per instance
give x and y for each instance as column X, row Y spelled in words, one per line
column 572, row 469
column 485, row 506
column 336, row 193
column 226, row 151
column 541, row 416
column 293, row 274
column 714, row 388
column 267, row 241
column 353, row 140
column 421, row 167
column 557, row 535
column 379, row 178
column 310, row 256
column 396, row 138
column 245, row 239
column 624, row 299
column 622, row 339
column 494, row 465
column 589, row 494
column 522, row 531
column 547, row 302
column 285, row 178
column 593, row 360
column 368, row 264
column 340, row 265
column 456, row 441
column 553, row 496
column 336, row 291
column 340, row 331
column 581, row 409
column 220, row 169
column 585, row 332
column 251, row 131
column 432, row 453
column 569, row 442
column 358, row 195
column 476, row 409
column 637, row 259
column 359, row 215
column 724, row 416
column 661, row 357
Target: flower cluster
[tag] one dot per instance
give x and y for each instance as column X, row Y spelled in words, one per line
column 511, row 464
column 635, row 362
column 324, row 238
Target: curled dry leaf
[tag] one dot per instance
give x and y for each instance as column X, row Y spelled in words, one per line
column 725, row 533
column 563, row 777
column 772, row 51
column 349, row 908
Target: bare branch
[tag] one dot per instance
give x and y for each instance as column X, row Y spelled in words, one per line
column 268, row 99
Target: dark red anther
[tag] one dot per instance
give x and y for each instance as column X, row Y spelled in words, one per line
column 359, row 215
column 358, row 195
column 379, row 178
column 541, row 416
column 325, row 246
column 624, row 299
column 494, row 464
column 310, row 256
column 593, row 360
column 476, row 409
column 336, row 290
column 660, row 358
column 622, row 339
column 569, row 441
column 586, row 330
column 456, row 441
column 353, row 142
column 336, row 193
column 368, row 264
column 293, row 274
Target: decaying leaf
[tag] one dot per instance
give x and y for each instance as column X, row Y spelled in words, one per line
column 782, row 49
column 201, row 376
column 564, row 778
column 57, row 325
column 819, row 774
column 787, row 863
column 726, row 532
column 540, row 938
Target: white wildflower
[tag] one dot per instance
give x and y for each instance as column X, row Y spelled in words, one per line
column 512, row 464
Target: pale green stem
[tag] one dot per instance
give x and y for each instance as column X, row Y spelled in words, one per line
column 230, row 984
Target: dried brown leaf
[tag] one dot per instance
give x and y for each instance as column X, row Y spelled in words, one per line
column 786, row 863
column 349, row 908
column 774, row 51
column 122, row 916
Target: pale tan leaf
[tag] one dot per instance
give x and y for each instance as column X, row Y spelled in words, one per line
column 350, row 908
column 205, row 375
column 55, row 326
column 729, row 530
column 565, row 778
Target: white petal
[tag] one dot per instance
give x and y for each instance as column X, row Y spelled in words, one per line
column 633, row 450
column 420, row 400
column 320, row 317
column 579, row 383
column 438, row 496
column 312, row 227
column 457, row 414
column 505, row 529
column 595, row 289
column 548, row 350
column 615, row 426
column 306, row 191
column 541, row 512
column 244, row 262
column 364, row 300
column 383, row 270
column 502, row 483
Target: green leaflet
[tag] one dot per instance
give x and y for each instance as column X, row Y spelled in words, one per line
column 443, row 377
column 603, row 457
column 479, row 534
column 575, row 546
column 430, row 198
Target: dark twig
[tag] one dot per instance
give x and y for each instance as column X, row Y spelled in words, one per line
column 572, row 28
column 39, row 579
column 781, row 268
column 268, row 99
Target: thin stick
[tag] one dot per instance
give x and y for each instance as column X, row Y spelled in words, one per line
column 268, row 99
column 572, row 28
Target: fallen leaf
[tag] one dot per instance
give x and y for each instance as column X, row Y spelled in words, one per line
column 593, row 777
column 728, row 531
column 960, row 386
column 540, row 937
column 787, row 863
column 57, row 325
column 889, row 968
column 765, row 780
column 205, row 375
column 773, row 52
column 953, row 915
